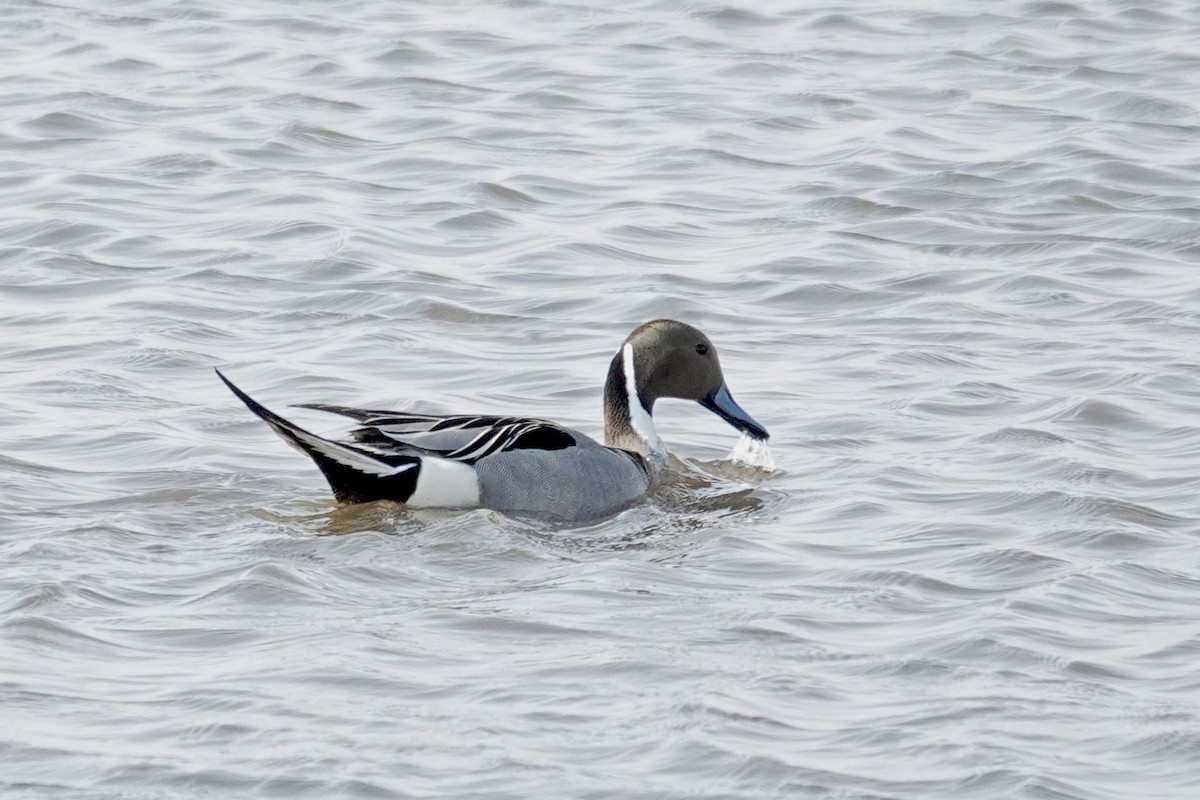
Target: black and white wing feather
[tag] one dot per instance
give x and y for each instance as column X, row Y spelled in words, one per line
column 462, row 439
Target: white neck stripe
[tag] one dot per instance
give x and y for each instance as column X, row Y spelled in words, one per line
column 639, row 418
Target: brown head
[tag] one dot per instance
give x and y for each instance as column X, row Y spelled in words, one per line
column 667, row 359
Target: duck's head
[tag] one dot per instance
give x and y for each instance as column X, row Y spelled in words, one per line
column 665, row 358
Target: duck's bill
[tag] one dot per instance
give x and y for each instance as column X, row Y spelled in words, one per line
column 721, row 403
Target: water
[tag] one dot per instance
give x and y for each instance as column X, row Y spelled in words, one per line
column 753, row 453
column 947, row 250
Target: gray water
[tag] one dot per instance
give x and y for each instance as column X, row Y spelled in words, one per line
column 948, row 251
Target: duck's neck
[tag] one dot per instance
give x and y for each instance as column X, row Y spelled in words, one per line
column 627, row 420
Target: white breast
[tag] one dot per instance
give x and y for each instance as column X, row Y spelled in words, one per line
column 639, row 417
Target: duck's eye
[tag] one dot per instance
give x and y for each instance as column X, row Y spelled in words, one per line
column 702, row 349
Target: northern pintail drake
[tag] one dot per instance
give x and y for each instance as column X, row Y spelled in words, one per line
column 520, row 464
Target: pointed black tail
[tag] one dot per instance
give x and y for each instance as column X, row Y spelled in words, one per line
column 355, row 475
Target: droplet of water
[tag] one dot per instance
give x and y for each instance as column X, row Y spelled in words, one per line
column 753, row 453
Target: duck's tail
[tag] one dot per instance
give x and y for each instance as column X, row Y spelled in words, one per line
column 355, row 475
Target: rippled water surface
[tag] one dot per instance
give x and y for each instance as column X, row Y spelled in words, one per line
column 948, row 251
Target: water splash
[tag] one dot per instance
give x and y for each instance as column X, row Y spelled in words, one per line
column 753, row 453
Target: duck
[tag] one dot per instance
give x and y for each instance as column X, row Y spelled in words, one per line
column 522, row 464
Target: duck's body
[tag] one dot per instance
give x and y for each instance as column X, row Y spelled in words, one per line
column 521, row 464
